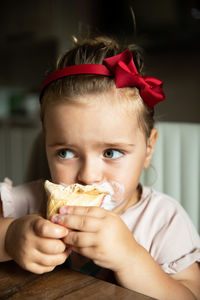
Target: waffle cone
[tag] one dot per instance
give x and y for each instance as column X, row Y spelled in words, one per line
column 75, row 195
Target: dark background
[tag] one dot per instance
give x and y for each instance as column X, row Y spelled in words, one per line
column 34, row 33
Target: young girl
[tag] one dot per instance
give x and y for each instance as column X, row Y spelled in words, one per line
column 97, row 112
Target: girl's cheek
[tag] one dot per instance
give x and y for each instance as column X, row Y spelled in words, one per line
column 61, row 173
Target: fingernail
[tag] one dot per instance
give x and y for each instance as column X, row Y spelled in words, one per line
column 55, row 219
column 63, row 210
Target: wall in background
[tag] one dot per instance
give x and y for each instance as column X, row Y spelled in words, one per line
column 33, row 34
column 180, row 73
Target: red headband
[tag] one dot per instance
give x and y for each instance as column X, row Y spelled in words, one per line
column 123, row 69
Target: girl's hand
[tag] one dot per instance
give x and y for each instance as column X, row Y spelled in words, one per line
column 103, row 237
column 35, row 243
column 98, row 234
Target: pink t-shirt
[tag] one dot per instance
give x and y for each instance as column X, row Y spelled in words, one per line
column 157, row 222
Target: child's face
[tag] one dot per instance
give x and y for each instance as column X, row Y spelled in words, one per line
column 96, row 143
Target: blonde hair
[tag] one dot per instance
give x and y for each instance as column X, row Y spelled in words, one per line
column 94, row 51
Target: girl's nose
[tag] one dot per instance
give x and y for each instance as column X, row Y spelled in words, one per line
column 90, row 172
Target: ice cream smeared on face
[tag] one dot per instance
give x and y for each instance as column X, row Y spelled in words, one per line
column 115, row 196
column 118, row 195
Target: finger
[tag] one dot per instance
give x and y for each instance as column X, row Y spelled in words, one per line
column 79, row 222
column 39, row 269
column 45, row 228
column 92, row 211
column 80, row 239
column 51, row 260
column 51, row 246
column 86, row 251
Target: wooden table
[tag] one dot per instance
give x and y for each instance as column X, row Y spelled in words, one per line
column 62, row 283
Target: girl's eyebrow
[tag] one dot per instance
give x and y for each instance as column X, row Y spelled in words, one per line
column 118, row 145
column 100, row 144
column 58, row 144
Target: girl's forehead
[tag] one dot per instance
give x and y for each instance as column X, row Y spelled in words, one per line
column 102, row 106
column 118, row 100
column 107, row 120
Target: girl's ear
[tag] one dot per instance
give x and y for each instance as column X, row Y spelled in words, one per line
column 150, row 146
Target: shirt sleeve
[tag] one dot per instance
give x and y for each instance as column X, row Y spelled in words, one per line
column 177, row 244
column 162, row 226
column 28, row 198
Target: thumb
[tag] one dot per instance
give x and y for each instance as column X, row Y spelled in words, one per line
column 47, row 229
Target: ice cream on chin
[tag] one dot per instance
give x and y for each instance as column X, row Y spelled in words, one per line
column 77, row 195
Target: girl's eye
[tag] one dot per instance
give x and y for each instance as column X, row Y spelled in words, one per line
column 113, row 154
column 66, row 154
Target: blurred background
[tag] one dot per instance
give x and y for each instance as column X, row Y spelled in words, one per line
column 34, row 33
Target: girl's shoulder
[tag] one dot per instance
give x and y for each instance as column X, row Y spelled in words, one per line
column 155, row 201
column 161, row 225
column 158, row 212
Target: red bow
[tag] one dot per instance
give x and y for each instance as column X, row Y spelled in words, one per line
column 126, row 75
column 121, row 67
